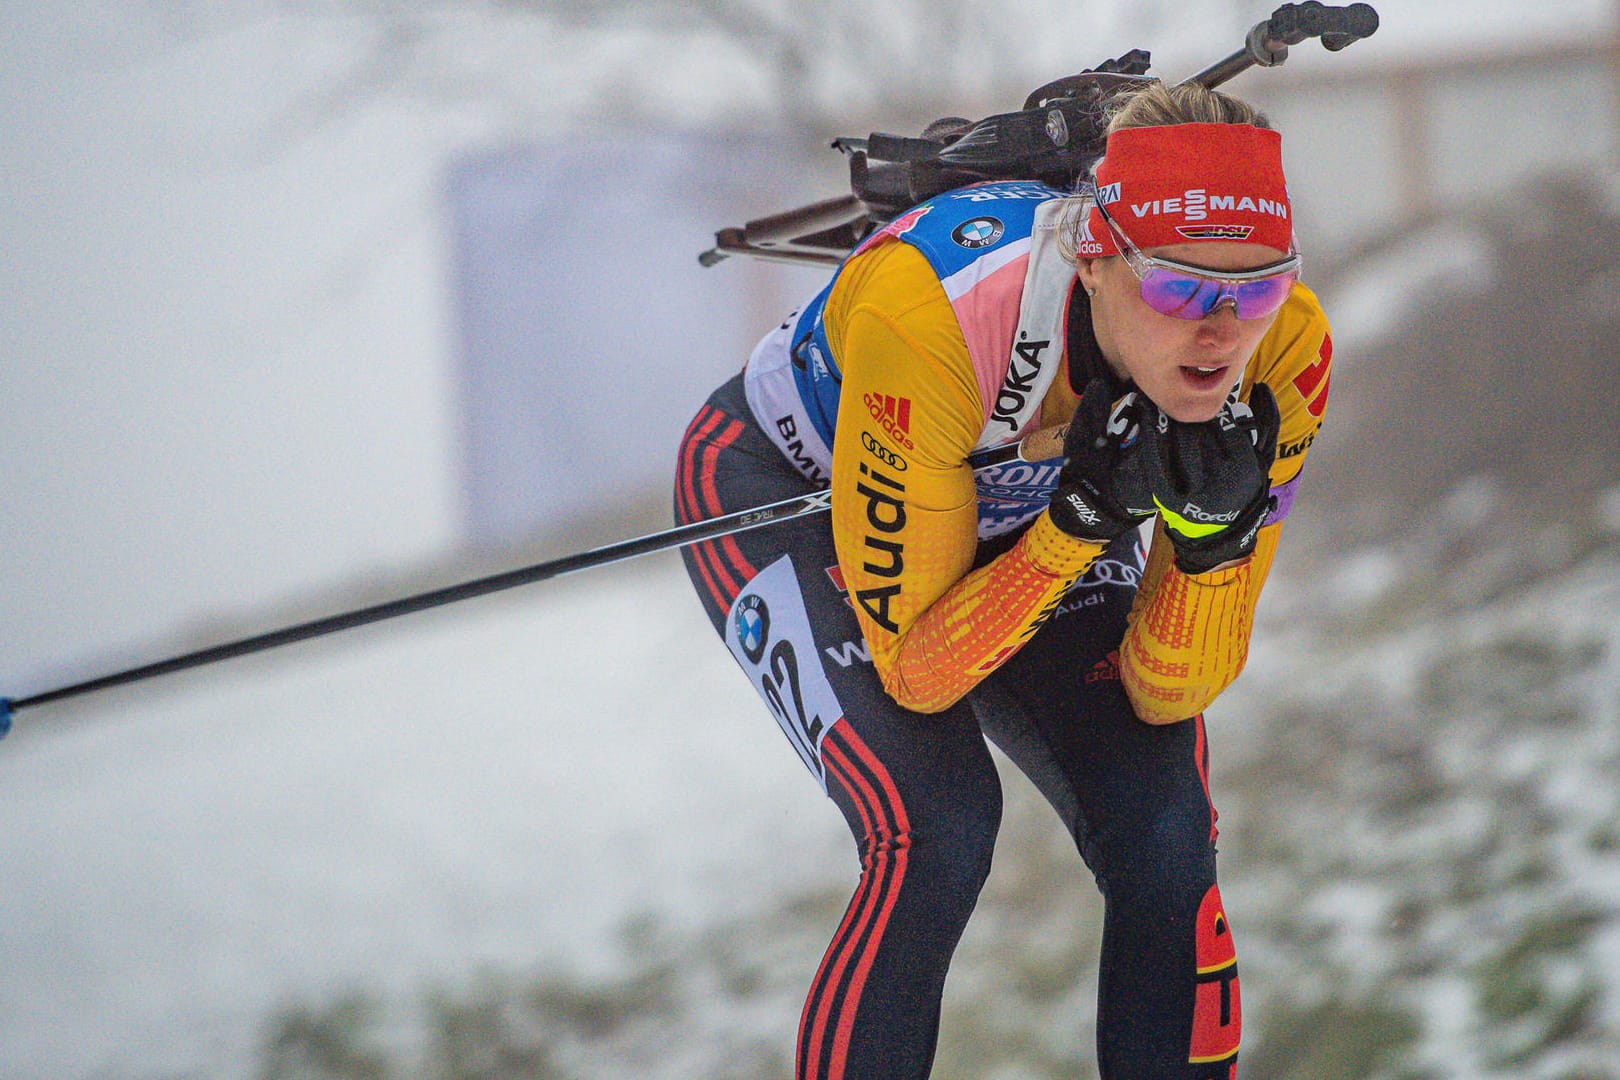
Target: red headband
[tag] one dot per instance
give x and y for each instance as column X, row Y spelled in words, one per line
column 1179, row 183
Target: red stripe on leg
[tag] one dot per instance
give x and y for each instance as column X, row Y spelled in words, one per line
column 727, row 544
column 889, row 868
column 687, row 498
column 824, row 989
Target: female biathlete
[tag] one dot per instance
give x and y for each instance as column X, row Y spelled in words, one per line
column 1159, row 315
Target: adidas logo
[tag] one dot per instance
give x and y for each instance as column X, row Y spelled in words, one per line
column 1105, row 670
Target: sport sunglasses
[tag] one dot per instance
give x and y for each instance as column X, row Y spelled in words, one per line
column 1192, row 292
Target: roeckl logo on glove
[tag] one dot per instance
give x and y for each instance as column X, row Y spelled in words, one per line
column 1198, row 513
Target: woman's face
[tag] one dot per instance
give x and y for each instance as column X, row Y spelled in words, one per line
column 1187, row 366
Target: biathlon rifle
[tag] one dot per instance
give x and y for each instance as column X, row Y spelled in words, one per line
column 1055, row 139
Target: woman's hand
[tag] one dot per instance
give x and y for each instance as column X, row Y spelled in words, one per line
column 1210, row 480
column 1101, row 493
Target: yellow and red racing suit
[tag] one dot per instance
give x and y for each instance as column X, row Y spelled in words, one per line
column 906, row 514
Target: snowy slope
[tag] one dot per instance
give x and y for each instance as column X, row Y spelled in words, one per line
column 500, row 783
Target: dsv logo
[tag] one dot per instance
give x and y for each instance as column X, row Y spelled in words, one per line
column 882, row 453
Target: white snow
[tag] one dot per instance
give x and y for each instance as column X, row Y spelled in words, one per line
column 498, row 784
column 1609, row 510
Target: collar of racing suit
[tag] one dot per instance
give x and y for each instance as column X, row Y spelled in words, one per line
column 1085, row 355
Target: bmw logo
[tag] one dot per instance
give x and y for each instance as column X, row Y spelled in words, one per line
column 978, row 233
column 753, row 626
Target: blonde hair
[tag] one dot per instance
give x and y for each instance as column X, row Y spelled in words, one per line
column 1156, row 105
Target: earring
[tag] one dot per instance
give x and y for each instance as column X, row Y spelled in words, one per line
column 1090, row 291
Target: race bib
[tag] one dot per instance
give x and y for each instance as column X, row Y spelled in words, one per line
column 768, row 631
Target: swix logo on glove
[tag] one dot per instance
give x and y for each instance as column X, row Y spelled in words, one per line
column 1083, row 510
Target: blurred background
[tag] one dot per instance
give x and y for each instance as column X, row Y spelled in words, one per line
column 308, row 305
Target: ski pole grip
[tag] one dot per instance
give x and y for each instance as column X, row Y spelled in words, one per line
column 1358, row 21
column 5, row 716
column 1336, row 26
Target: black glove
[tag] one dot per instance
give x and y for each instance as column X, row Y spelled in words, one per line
column 1210, row 481
column 1100, row 492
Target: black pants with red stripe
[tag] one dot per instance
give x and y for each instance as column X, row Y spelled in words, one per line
column 922, row 797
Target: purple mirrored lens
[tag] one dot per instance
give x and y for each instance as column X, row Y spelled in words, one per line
column 1180, row 295
column 1256, row 299
column 1188, row 296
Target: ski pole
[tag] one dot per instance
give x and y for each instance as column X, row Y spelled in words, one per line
column 1042, row 445
column 1267, row 42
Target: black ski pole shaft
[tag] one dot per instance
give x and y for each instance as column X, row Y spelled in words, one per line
column 681, row 535
column 1039, row 446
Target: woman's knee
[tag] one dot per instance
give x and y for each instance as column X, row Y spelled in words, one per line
column 954, row 851
column 1168, row 853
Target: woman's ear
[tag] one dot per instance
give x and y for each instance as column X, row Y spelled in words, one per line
column 1086, row 270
